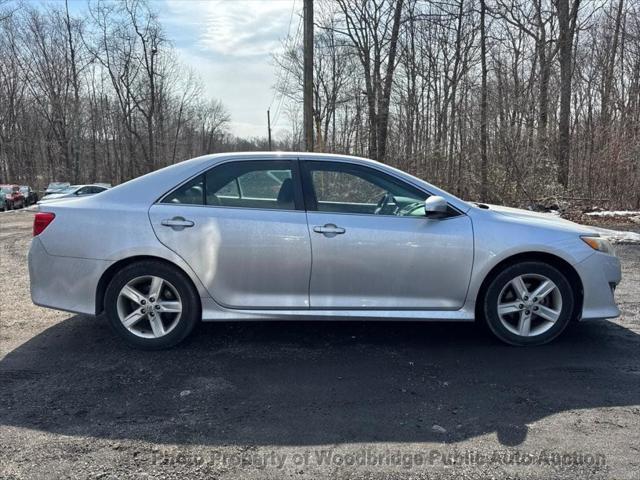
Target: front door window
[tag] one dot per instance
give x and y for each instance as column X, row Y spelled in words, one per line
column 346, row 188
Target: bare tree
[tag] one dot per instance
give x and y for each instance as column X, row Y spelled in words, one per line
column 373, row 27
column 513, row 101
column 567, row 15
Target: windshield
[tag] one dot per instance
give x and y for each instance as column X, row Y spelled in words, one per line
column 6, row 190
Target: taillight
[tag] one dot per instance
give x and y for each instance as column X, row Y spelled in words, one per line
column 42, row 221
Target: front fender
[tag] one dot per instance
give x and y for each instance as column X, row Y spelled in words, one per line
column 498, row 238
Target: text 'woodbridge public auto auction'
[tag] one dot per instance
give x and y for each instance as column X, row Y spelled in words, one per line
column 373, row 458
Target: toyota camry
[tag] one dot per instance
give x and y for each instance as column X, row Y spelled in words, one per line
column 259, row 236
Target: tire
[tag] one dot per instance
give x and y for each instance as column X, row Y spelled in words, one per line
column 548, row 314
column 144, row 331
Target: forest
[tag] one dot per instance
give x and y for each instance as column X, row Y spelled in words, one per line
column 520, row 102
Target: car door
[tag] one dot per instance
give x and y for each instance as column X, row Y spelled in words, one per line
column 242, row 228
column 372, row 246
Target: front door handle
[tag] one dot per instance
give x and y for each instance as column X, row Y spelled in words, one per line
column 329, row 230
column 177, row 223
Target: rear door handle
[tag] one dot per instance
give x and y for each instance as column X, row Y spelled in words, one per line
column 329, row 230
column 177, row 223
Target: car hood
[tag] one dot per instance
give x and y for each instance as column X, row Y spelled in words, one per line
column 539, row 219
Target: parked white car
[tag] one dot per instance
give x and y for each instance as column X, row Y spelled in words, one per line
column 75, row 191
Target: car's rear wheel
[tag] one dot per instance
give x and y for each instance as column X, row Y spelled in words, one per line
column 152, row 305
column 529, row 303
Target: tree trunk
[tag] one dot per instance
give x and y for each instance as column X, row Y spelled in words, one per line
column 483, row 104
column 566, row 26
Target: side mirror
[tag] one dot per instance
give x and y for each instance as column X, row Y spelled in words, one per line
column 435, row 207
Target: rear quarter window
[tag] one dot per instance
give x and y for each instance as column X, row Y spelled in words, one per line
column 191, row 193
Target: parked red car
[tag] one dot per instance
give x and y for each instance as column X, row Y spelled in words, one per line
column 13, row 198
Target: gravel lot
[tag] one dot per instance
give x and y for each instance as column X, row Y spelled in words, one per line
column 309, row 400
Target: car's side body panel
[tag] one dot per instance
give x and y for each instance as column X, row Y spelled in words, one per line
column 213, row 312
column 65, row 283
column 99, row 233
column 498, row 237
column 90, row 234
column 246, row 258
column 388, row 262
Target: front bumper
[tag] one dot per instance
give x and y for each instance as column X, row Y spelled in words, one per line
column 64, row 283
column 599, row 274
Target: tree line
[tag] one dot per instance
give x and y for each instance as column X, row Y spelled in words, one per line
column 514, row 101
column 511, row 101
column 101, row 97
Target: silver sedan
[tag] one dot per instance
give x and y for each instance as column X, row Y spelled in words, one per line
column 312, row 236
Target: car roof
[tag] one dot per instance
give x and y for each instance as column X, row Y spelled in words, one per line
column 148, row 188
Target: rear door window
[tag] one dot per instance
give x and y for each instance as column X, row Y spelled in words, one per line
column 244, row 184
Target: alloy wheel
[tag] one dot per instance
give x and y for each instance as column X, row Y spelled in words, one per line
column 529, row 305
column 149, row 306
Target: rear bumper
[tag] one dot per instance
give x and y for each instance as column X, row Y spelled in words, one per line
column 64, row 283
column 599, row 273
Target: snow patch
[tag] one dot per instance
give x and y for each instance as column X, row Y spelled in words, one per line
column 615, row 213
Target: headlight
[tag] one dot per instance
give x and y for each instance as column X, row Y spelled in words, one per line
column 599, row 243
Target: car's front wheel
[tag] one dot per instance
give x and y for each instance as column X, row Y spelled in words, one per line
column 152, row 305
column 529, row 303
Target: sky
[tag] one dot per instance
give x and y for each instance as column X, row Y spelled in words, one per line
column 230, row 44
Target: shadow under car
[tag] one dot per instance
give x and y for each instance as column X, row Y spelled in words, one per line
column 303, row 383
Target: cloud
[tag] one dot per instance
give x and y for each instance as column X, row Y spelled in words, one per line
column 235, row 28
column 231, row 43
column 244, row 88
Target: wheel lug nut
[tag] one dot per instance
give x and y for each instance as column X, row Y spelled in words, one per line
column 535, row 299
column 152, row 314
column 521, row 306
column 152, row 299
column 535, row 308
column 143, row 311
column 527, row 312
column 526, row 297
column 142, row 302
column 157, row 307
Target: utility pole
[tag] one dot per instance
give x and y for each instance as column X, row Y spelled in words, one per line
column 269, row 127
column 308, row 75
column 483, row 104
